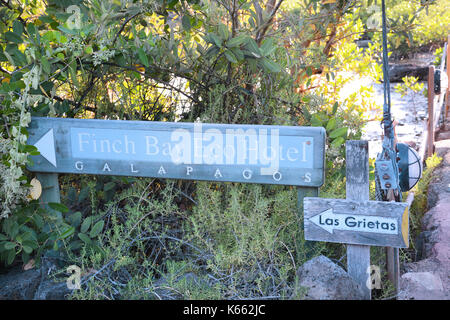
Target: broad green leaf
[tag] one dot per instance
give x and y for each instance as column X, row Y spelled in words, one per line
column 315, row 121
column 223, row 31
column 340, row 132
column 75, row 219
column 230, row 56
column 270, row 65
column 58, row 207
column 84, row 238
column 331, row 124
column 9, row 245
column 238, row 54
column 3, row 237
column 17, row 28
column 143, row 57
column 31, row 29
column 253, row 47
column 11, row 254
column 86, row 224
column 337, row 142
column 45, row 64
column 186, row 22
column 27, row 249
column 96, row 229
column 68, row 31
column 236, row 41
column 267, row 47
column 12, row 37
column 216, row 39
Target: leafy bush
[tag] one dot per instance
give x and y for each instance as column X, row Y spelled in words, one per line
column 415, row 24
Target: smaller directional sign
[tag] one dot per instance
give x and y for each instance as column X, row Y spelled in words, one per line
column 375, row 223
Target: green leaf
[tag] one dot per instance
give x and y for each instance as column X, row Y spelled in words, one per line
column 84, row 238
column 88, row 50
column 335, row 106
column 73, row 72
column 31, row 29
column 70, row 231
column 17, row 28
column 108, row 186
column 68, row 31
column 96, row 229
column 9, row 245
column 216, row 40
column 340, row 132
column 238, row 54
column 143, row 57
column 86, row 224
column 253, row 47
column 27, row 249
column 270, row 65
column 230, row 56
column 337, row 142
column 45, row 64
column 316, row 121
column 58, row 207
column 75, row 219
column 186, row 22
column 12, row 37
column 331, row 124
column 223, row 31
column 3, row 237
column 267, row 47
column 10, row 256
column 236, row 41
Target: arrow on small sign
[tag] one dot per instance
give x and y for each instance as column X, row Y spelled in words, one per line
column 46, row 146
column 330, row 221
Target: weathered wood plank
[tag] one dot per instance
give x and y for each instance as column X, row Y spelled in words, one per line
column 284, row 155
column 357, row 188
column 430, row 142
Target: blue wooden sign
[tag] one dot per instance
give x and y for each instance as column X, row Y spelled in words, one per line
column 284, row 155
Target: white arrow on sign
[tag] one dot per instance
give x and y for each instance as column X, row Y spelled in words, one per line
column 46, row 146
column 330, row 221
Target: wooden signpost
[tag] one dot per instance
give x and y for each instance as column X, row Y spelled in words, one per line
column 357, row 221
column 281, row 155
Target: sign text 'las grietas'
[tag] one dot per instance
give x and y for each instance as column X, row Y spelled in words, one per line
column 375, row 223
column 284, row 155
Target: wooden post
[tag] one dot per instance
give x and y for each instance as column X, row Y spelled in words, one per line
column 447, row 93
column 430, row 142
column 357, row 187
column 50, row 190
column 393, row 266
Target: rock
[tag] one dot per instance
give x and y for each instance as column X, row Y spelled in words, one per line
column 33, row 284
column 421, row 286
column 18, row 284
column 398, row 71
column 49, row 290
column 327, row 281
